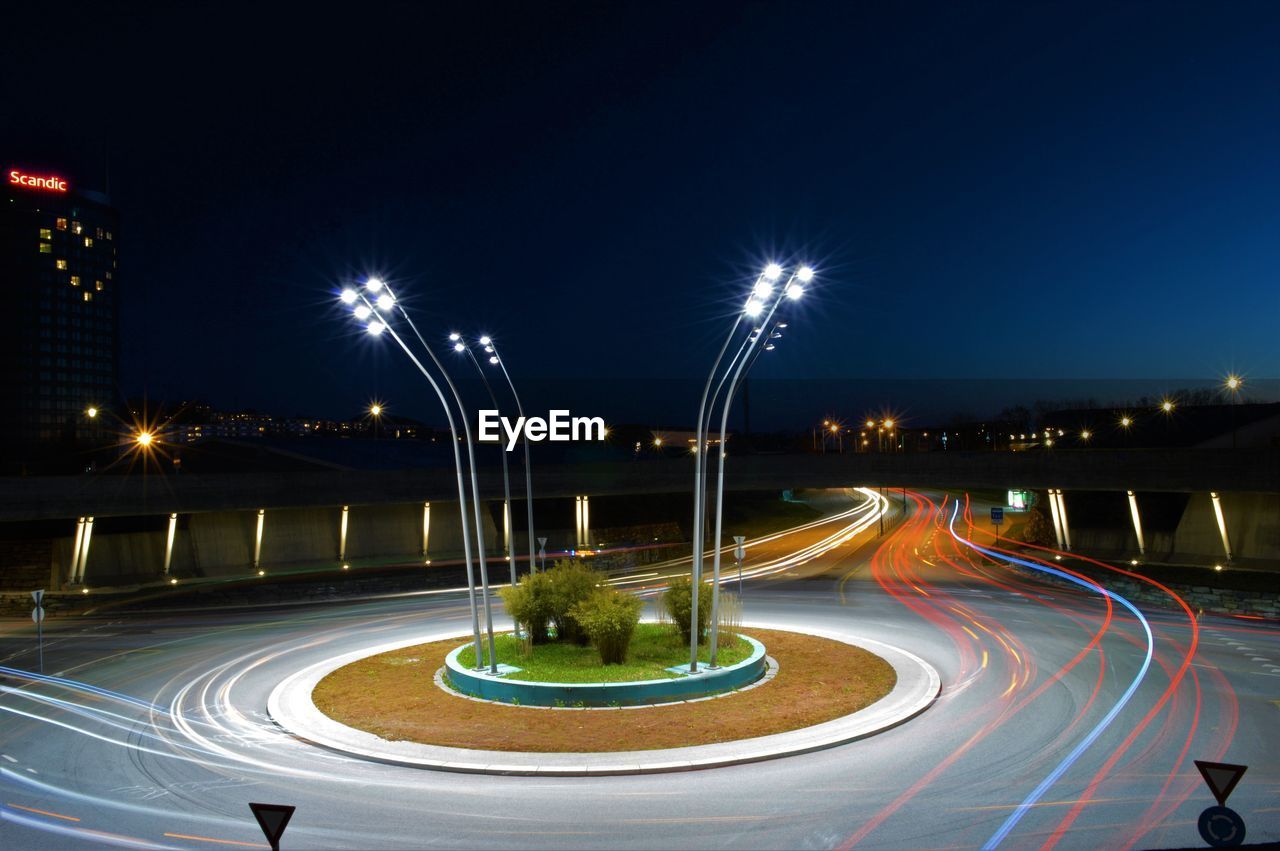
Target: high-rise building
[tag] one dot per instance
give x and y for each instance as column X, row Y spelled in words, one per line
column 59, row 328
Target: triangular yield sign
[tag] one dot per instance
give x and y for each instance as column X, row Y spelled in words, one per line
column 1221, row 777
column 273, row 819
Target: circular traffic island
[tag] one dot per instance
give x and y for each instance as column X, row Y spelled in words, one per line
column 566, row 674
column 430, row 694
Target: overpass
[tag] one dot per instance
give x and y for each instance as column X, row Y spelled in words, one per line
column 1140, row 470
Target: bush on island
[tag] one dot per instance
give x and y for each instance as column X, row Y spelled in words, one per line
column 608, row 618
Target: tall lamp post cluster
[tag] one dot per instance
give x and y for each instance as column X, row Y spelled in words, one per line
column 760, row 316
column 376, row 307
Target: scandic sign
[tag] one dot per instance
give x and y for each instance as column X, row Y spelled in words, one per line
column 52, row 184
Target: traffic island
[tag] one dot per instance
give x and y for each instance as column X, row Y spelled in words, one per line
column 384, row 704
column 656, row 671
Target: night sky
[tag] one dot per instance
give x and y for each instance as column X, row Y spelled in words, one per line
column 987, row 190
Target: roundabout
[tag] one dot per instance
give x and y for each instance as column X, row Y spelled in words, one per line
column 463, row 734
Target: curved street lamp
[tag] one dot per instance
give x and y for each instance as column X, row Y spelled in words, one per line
column 761, row 289
column 496, row 359
column 506, row 478
column 376, row 325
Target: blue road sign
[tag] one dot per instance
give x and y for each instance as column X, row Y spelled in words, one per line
column 1221, row 827
column 997, row 516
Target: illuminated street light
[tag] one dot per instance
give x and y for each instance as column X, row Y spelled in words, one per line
column 506, row 478
column 753, row 308
column 805, row 275
column 144, row 438
column 762, row 290
column 91, row 412
column 772, row 272
column 871, row 423
column 385, row 301
column 376, row 327
column 365, row 308
column 1125, row 422
column 745, row 359
column 1085, row 435
column 1233, row 383
column 348, row 296
column 1167, row 406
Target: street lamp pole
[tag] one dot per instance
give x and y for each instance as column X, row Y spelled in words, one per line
column 506, row 478
column 699, row 472
column 496, row 359
column 791, row 290
column 377, row 324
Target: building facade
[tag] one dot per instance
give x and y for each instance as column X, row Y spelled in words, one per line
column 59, row 331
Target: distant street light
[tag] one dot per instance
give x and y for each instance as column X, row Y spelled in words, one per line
column 144, row 438
column 1167, row 406
column 362, row 312
column 1233, row 384
column 91, row 412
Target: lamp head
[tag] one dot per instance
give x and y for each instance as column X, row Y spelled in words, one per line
column 385, row 301
column 373, row 285
column 362, row 312
column 753, row 307
column 794, row 292
column 485, row 340
column 805, row 274
column 772, row 272
column 455, row 337
column 376, row 327
column 459, row 347
column 348, row 295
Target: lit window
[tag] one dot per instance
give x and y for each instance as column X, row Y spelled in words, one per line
column 99, row 233
column 76, row 228
column 46, row 248
column 109, row 236
column 97, row 285
column 88, row 296
column 75, row 280
column 62, row 224
column 88, row 242
column 61, row 264
column 108, row 276
column 46, row 233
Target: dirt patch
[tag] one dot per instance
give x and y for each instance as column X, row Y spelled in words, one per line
column 818, row 679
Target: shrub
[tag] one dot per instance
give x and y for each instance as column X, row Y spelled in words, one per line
column 609, row 618
column 571, row 582
column 1039, row 528
column 678, row 603
column 530, row 603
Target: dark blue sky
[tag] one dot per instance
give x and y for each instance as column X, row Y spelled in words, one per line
column 1005, row 190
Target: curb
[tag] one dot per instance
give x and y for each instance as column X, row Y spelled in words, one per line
column 290, row 708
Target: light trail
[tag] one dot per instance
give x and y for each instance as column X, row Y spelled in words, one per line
column 1038, row 792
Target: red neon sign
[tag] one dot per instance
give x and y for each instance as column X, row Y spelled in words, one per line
column 51, row 184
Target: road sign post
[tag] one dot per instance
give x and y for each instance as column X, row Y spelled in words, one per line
column 273, row 819
column 739, row 554
column 997, row 518
column 1221, row 826
column 542, row 552
column 37, row 615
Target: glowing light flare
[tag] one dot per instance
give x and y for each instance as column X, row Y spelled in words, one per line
column 144, row 438
column 486, row 340
column 454, row 337
column 762, row 289
column 772, row 272
column 385, row 301
column 459, row 347
column 805, row 274
column 362, row 312
column 348, row 296
column 91, row 412
column 373, row 285
column 375, row 327
column 494, row 360
column 1234, row 382
column 753, row 308
column 795, row 292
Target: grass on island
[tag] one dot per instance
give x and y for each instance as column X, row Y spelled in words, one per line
column 394, row 695
column 654, row 648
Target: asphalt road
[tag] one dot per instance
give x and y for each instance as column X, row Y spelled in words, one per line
column 1056, row 726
